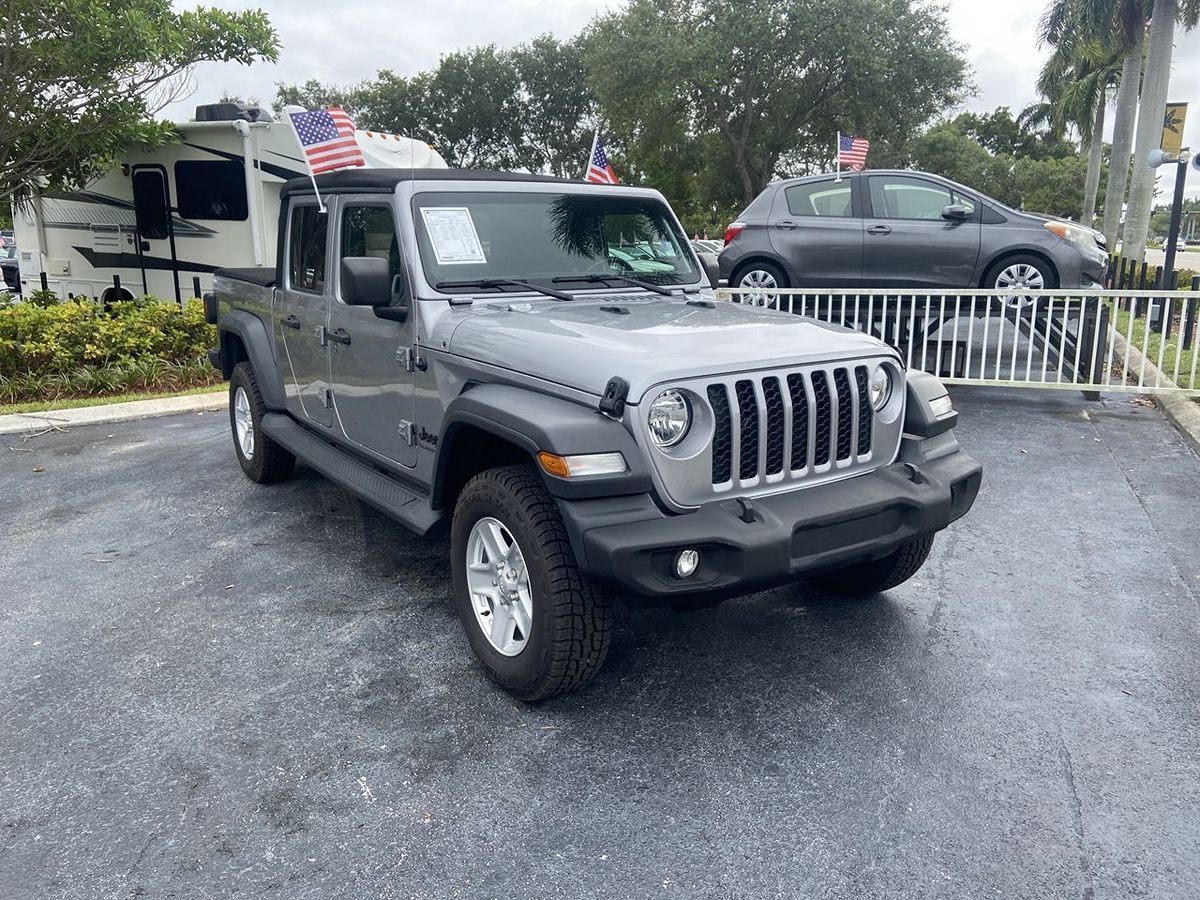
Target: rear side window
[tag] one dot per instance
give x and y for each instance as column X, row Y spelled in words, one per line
column 207, row 189
column 308, row 235
column 897, row 197
column 822, row 198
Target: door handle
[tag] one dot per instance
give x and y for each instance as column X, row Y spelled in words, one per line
column 290, row 322
column 339, row 336
column 785, row 225
column 879, row 229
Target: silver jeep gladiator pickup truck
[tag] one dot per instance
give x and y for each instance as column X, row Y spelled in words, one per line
column 538, row 367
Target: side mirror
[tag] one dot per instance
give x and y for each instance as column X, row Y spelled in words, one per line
column 366, row 281
column 955, row 212
column 711, row 268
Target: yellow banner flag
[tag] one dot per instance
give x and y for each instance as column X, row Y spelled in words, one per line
column 1172, row 135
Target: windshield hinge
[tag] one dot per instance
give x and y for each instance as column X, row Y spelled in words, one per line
column 612, row 404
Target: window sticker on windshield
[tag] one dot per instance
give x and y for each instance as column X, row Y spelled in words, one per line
column 452, row 234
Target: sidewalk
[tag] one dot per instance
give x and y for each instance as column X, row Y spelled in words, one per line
column 24, row 423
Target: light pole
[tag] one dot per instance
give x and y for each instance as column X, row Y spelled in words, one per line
column 1181, row 159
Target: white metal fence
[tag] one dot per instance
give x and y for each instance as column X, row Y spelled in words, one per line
column 1076, row 340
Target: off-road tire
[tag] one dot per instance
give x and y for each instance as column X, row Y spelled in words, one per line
column 270, row 462
column 864, row 579
column 572, row 617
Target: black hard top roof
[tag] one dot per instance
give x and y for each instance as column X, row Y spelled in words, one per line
column 385, row 180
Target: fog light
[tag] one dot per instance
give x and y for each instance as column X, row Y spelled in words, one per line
column 686, row 563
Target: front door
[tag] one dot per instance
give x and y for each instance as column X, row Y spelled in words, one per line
column 815, row 226
column 302, row 315
column 909, row 243
column 369, row 356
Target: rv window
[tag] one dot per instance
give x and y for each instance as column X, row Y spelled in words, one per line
column 211, row 190
column 150, row 205
column 306, row 249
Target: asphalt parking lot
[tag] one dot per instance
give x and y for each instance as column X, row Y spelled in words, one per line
column 215, row 689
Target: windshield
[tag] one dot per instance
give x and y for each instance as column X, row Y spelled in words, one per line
column 537, row 237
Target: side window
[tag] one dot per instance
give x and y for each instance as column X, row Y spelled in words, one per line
column 150, row 205
column 895, row 197
column 306, row 249
column 821, row 198
column 370, row 230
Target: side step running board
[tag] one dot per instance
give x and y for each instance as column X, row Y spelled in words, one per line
column 386, row 494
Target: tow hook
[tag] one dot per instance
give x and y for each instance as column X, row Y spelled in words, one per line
column 915, row 475
column 747, row 514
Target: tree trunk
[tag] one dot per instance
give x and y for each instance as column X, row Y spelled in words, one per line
column 1149, row 128
column 1095, row 161
column 1123, row 122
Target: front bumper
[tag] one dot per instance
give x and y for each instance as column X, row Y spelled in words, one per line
column 629, row 542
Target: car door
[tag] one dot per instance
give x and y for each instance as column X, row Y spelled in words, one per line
column 303, row 314
column 908, row 241
column 818, row 231
column 371, row 357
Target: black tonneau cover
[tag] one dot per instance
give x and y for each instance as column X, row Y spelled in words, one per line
column 260, row 275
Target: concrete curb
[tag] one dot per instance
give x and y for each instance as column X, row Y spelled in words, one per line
column 1181, row 412
column 33, row 423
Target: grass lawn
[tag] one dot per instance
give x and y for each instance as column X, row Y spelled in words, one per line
column 72, row 403
column 1169, row 353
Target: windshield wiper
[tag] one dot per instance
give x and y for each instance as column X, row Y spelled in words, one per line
column 500, row 282
column 597, row 277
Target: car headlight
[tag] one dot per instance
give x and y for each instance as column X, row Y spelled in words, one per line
column 881, row 388
column 670, row 418
column 1081, row 237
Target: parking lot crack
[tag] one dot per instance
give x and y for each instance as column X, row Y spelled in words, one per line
column 1085, row 870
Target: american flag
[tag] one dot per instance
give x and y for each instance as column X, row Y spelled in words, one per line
column 852, row 151
column 327, row 137
column 599, row 171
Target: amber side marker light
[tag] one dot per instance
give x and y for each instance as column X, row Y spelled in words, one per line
column 586, row 464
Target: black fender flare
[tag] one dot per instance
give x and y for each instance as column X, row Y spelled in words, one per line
column 256, row 339
column 534, row 422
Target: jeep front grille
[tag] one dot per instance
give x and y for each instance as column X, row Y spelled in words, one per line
column 790, row 425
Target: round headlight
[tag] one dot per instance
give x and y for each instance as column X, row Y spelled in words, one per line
column 670, row 417
column 881, row 388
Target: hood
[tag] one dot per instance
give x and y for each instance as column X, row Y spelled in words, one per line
column 585, row 342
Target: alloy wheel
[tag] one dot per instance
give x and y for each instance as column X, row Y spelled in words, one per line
column 498, row 581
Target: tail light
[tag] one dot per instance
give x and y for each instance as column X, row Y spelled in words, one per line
column 734, row 229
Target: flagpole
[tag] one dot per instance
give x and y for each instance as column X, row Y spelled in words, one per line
column 588, row 162
column 311, row 176
column 837, row 156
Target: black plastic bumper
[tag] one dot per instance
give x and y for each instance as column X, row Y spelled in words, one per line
column 628, row 541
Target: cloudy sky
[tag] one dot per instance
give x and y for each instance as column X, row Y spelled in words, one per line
column 345, row 41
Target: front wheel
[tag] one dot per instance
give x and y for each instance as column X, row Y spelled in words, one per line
column 538, row 625
column 864, row 579
column 1023, row 272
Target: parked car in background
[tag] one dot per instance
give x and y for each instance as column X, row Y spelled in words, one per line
column 899, row 229
column 10, row 268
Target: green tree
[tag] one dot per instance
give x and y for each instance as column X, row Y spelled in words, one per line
column 774, row 80
column 83, row 79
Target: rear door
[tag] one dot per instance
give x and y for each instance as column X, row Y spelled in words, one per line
column 370, row 357
column 908, row 243
column 303, row 314
column 817, row 229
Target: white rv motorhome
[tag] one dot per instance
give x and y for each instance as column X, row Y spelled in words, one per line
column 169, row 215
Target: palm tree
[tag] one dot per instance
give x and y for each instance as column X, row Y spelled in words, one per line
column 1150, row 116
column 1117, row 26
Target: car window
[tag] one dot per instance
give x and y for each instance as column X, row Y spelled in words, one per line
column 821, row 198
column 306, row 249
column 370, row 230
column 897, row 197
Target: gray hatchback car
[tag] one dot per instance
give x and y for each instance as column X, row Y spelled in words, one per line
column 884, row 229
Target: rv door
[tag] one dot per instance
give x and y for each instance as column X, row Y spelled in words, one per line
column 156, row 235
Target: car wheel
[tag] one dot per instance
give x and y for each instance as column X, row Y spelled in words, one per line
column 262, row 459
column 538, row 625
column 755, row 280
column 864, row 579
column 1017, row 273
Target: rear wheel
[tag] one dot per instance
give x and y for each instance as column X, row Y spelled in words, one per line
column 755, row 279
column 864, row 579
column 538, row 625
column 262, row 459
